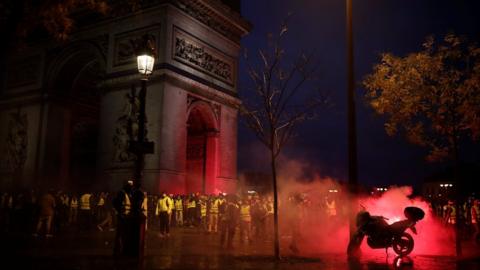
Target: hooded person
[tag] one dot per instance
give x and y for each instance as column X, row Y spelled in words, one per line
column 122, row 205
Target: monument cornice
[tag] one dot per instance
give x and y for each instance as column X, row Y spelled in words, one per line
column 212, row 13
column 125, row 78
column 168, row 73
column 217, row 16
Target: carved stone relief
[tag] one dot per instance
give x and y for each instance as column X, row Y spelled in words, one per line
column 17, row 141
column 124, row 52
column 201, row 13
column 126, row 128
column 195, row 53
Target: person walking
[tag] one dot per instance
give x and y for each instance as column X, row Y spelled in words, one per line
column 107, row 222
column 47, row 208
column 213, row 214
column 178, row 211
column 162, row 211
column 73, row 212
column 122, row 205
column 85, row 213
column 100, row 209
column 191, row 210
column 203, row 214
column 245, row 221
column 229, row 222
column 475, row 213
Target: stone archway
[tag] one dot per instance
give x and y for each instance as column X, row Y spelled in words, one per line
column 201, row 157
column 73, row 117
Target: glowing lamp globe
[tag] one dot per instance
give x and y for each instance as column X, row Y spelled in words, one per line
column 145, row 64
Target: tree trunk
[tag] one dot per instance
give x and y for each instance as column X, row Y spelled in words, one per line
column 458, row 197
column 275, row 207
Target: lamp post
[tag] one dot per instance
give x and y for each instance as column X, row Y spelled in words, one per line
column 352, row 126
column 145, row 51
column 145, row 62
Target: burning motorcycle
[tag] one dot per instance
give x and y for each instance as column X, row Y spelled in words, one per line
column 380, row 234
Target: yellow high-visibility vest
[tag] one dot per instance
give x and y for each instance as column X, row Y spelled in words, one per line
column 452, row 218
column 85, row 201
column 170, row 204
column 178, row 205
column 145, row 206
column 163, row 205
column 245, row 213
column 64, row 200
column 126, row 204
column 74, row 203
column 101, row 202
column 214, row 206
column 191, row 204
column 331, row 208
column 203, row 209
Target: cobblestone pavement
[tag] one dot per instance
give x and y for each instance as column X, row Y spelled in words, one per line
column 189, row 249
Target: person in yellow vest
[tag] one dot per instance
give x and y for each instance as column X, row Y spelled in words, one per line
column 449, row 213
column 145, row 209
column 191, row 210
column 100, row 207
column 178, row 211
column 213, row 218
column 162, row 211
column 331, row 207
column 475, row 213
column 245, row 221
column 107, row 222
column 268, row 205
column 171, row 204
column 203, row 213
column 85, row 213
column 122, row 205
column 73, row 212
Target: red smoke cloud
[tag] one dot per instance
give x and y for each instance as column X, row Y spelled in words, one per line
column 321, row 234
column 433, row 237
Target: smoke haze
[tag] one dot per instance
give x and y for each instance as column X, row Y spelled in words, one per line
column 320, row 233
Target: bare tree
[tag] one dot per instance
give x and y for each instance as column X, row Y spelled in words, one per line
column 281, row 96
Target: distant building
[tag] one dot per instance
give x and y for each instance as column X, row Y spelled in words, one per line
column 67, row 111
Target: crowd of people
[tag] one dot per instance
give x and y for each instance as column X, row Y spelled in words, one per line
column 248, row 217
column 51, row 212
column 467, row 216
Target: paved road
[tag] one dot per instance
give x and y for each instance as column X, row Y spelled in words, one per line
column 189, row 249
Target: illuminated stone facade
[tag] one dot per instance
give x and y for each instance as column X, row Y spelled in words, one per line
column 67, row 112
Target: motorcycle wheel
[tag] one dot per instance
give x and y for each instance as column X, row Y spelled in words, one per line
column 403, row 244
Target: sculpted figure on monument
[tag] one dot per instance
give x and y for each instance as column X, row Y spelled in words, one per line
column 17, row 140
column 126, row 128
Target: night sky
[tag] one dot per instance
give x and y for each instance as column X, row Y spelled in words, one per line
column 397, row 26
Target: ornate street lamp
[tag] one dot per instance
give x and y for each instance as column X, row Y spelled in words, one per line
column 146, row 56
column 145, row 52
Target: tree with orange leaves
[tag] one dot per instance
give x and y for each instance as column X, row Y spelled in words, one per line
column 431, row 96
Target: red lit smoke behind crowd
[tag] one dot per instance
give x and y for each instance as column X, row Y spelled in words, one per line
column 321, row 234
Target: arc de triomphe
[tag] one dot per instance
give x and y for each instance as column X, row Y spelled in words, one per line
column 66, row 110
